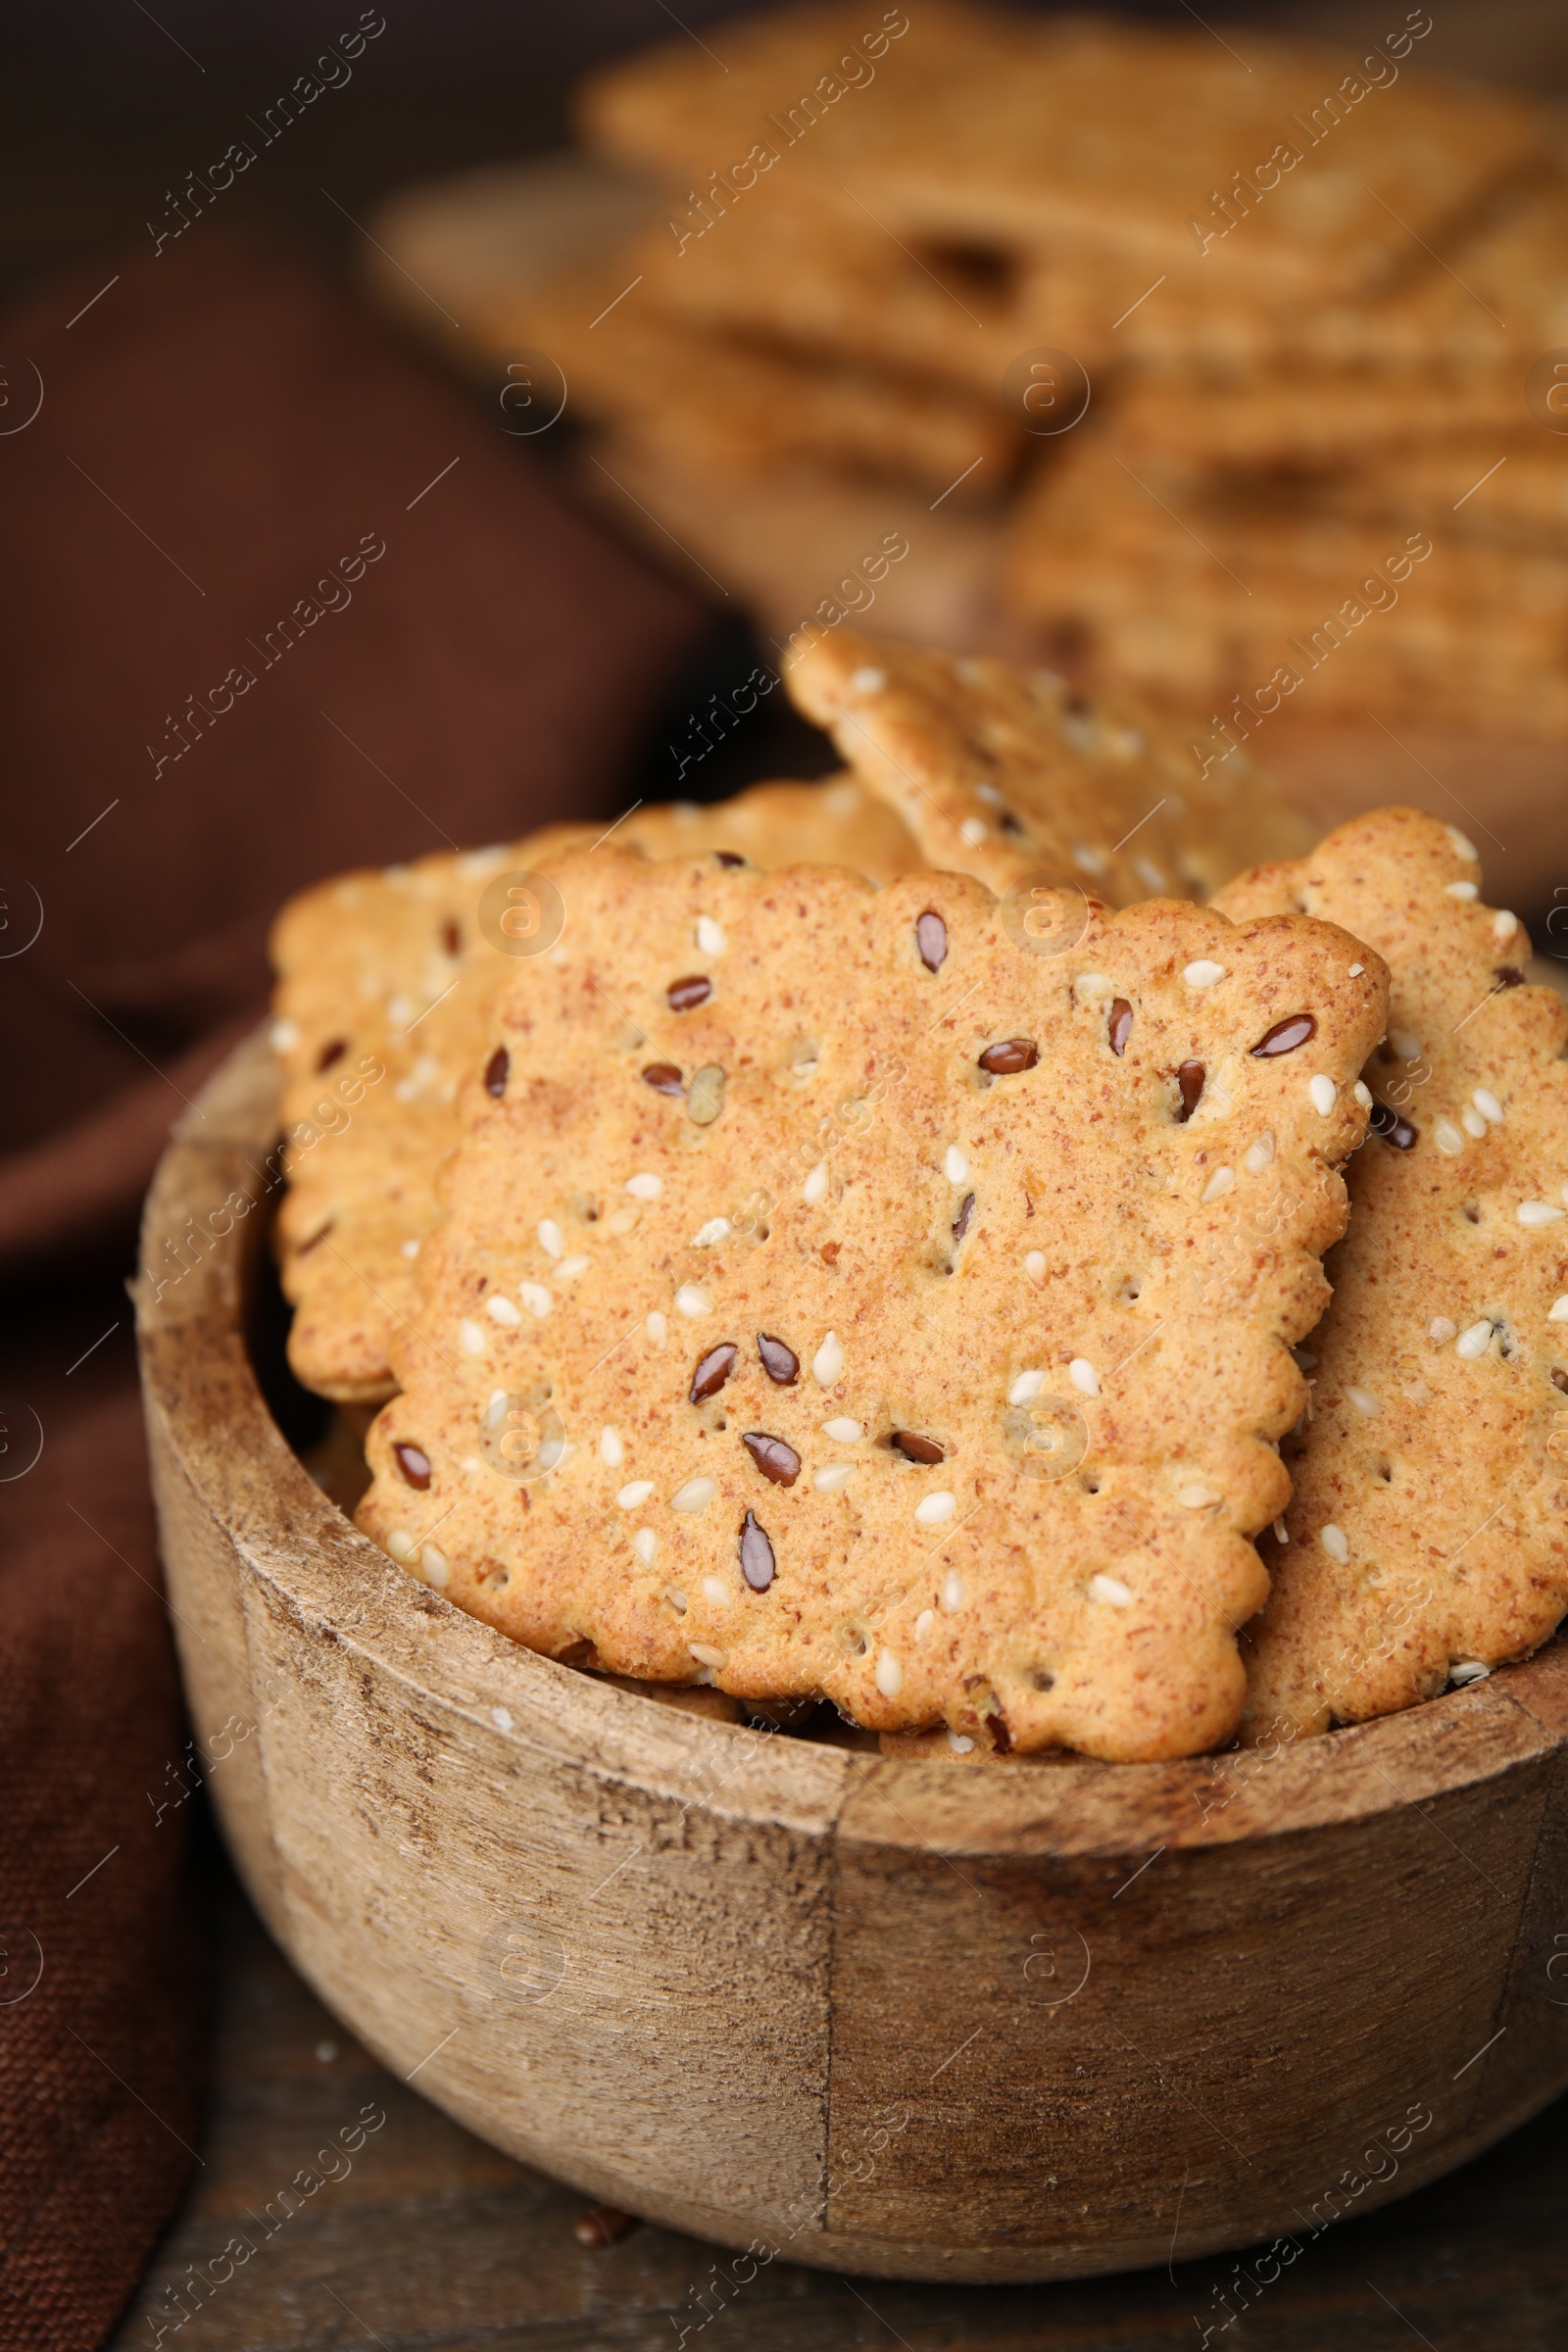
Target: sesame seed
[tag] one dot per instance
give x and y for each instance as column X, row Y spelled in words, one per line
column 1324, row 1093
column 1462, row 843
column 717, row 1229
column 1475, row 1341
column 1034, row 1265
column 1468, row 1670
column 814, row 1189
column 988, row 794
column 645, row 1544
column 1087, row 861
column 1407, row 1046
column 842, row 1429
column 868, row 681
column 612, row 1451
column 1112, row 1590
column 1442, row 1330
column 536, row 1298
column 1257, row 1156
column 711, row 936
column 471, row 1336
column 1196, row 1497
column 694, row 1495
column 646, row 1187
column 1503, row 925
column 1081, row 1372
column 401, row 1545
column 706, row 1656
column 285, row 1036
column 828, row 1361
column 889, row 1674
column 932, row 1509
column 411, row 1250
column 1536, row 1212
column 475, row 865
column 715, row 1590
column 676, row 1599
column 960, row 1741
column 1460, row 890
column 955, row 1166
column 501, row 1717
column 1363, row 1094
column 570, row 1267
column 1363, row 1400
column 635, row 1493
column 549, row 1238
column 1149, row 873
column 924, row 1624
column 1446, row 1136
column 502, row 1310
column 621, row 1220
column 437, row 1567
column 657, row 1328
column 1486, row 1102
column 1558, row 1311
column 1335, row 1543
column 973, row 831
column 1026, row 1387
column 832, row 1478
column 691, row 1301
column 400, row 1009
column 951, row 1593
column 1281, row 1533
column 1472, row 1122
column 1357, row 969
column 1203, row 973
column 1220, row 1182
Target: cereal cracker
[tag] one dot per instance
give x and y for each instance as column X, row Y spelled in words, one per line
column 382, row 1006
column 1005, row 775
column 815, row 1314
column 1253, row 174
column 698, row 395
column 1427, row 1540
column 1197, row 597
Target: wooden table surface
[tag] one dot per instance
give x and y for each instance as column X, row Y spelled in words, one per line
column 427, row 2239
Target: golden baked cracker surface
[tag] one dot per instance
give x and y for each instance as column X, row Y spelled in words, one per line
column 1428, row 1533
column 839, row 1296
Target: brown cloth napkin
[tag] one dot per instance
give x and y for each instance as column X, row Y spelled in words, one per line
column 222, row 449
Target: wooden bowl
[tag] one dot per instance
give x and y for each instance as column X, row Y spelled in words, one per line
column 1018, row 2022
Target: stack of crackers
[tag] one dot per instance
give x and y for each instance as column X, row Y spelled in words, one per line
column 1307, row 288
column 864, row 1243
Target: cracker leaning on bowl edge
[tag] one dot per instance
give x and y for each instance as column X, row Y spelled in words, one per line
column 384, row 979
column 1428, row 1534
column 820, row 1307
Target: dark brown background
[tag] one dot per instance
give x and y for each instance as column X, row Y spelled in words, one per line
column 435, row 2239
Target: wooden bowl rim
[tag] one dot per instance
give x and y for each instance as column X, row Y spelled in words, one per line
column 327, row 1575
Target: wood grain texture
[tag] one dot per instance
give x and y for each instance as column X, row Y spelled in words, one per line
column 900, row 2017
column 438, row 2243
